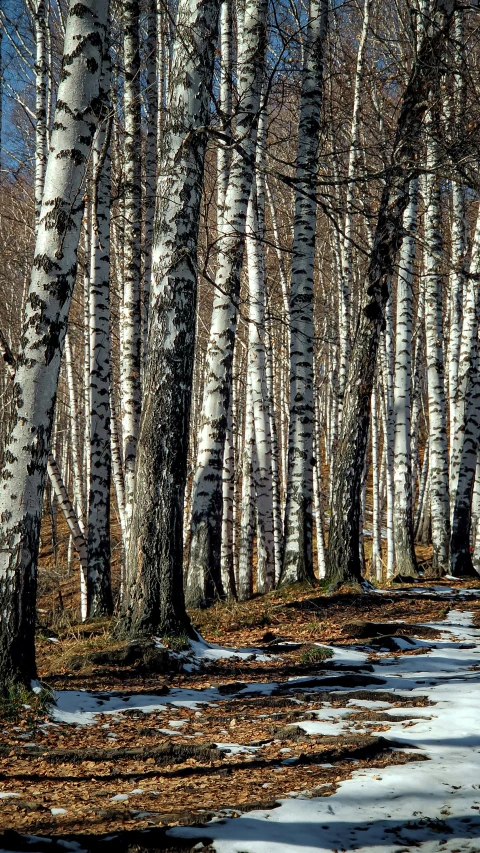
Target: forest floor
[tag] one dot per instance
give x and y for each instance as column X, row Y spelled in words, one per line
column 305, row 722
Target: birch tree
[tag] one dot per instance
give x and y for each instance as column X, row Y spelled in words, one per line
column 437, row 412
column 44, row 326
column 130, row 313
column 459, row 266
column 346, row 260
column 406, row 562
column 223, row 166
column 259, row 395
column 99, row 591
column 343, row 561
column 204, row 582
column 227, row 556
column 154, row 599
column 388, row 417
column 467, row 437
column 41, row 88
column 151, row 146
column 297, row 560
column 247, row 522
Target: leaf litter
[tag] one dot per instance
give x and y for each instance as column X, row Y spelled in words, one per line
column 114, row 769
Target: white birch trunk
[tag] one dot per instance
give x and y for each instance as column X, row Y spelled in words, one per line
column 297, row 560
column 151, row 147
column 41, row 89
column 458, row 260
column 259, row 395
column 130, row 311
column 438, row 451
column 347, row 241
column 283, row 408
column 204, row 576
column 277, row 520
column 44, row 326
column 317, row 493
column 85, row 386
column 422, row 490
column 154, row 599
column 376, row 568
column 389, row 431
column 225, row 100
column 99, row 591
column 406, row 563
column 418, row 383
column 78, row 472
column 247, row 520
column 75, row 445
column 223, row 165
column 457, row 285
column 475, row 525
column 228, row 575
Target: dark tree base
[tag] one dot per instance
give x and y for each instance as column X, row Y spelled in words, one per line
column 461, row 565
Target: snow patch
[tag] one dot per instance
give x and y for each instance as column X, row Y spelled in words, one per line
column 236, row 748
column 425, row 805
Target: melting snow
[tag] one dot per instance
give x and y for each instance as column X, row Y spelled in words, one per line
column 206, row 651
column 430, row 805
column 236, row 748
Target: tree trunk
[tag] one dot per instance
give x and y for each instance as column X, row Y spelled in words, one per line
column 297, row 556
column 41, row 88
column 204, row 582
column 458, row 261
column 346, row 261
column 228, row 574
column 151, row 147
column 376, row 566
column 388, row 417
column 468, row 409
column 259, row 395
column 277, row 521
column 130, row 311
column 154, row 599
column 247, row 522
column 223, row 165
column 406, row 562
column 44, row 326
column 99, row 590
column 437, row 410
column 76, row 447
column 343, row 563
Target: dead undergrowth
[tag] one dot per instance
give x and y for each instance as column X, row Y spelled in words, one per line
column 130, row 772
